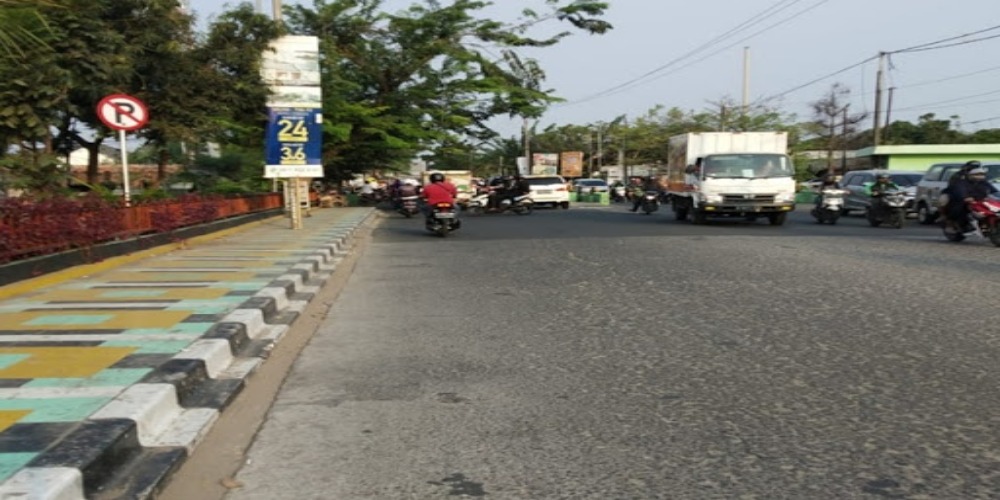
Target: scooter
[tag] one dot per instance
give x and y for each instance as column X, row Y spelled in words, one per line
column 520, row 205
column 409, row 206
column 890, row 208
column 830, row 206
column 650, row 202
column 443, row 219
column 984, row 218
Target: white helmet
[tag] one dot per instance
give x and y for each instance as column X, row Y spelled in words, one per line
column 411, row 182
column 977, row 171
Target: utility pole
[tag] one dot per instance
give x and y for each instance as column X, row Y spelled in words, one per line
column 600, row 146
column 621, row 152
column 888, row 111
column 746, row 84
column 590, row 154
column 276, row 7
column 527, row 144
column 879, row 85
column 843, row 141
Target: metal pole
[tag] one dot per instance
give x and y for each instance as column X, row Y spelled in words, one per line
column 125, row 181
column 843, row 147
column 879, row 84
column 746, row 83
column 888, row 111
column 590, row 164
column 276, row 6
column 527, row 144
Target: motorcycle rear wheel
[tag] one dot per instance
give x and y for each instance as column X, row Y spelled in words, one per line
column 897, row 220
column 995, row 233
column 522, row 210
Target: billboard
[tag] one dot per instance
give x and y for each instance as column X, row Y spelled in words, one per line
column 544, row 163
column 571, row 164
column 290, row 68
column 294, row 138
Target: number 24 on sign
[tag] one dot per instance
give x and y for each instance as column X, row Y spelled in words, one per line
column 293, row 130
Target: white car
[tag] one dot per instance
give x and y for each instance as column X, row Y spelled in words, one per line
column 548, row 190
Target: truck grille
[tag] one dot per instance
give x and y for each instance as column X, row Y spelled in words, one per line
column 748, row 198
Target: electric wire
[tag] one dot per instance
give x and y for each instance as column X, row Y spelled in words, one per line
column 753, row 20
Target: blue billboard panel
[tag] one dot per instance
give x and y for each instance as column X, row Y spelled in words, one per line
column 294, row 136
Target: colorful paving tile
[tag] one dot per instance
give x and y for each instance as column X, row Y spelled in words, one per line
column 67, row 350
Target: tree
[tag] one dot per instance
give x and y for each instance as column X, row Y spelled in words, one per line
column 424, row 79
column 832, row 123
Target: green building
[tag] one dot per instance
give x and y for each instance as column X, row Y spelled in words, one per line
column 921, row 156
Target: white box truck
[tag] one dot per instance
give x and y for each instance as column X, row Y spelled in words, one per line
column 731, row 174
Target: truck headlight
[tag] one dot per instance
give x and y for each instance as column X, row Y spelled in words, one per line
column 785, row 198
column 713, row 198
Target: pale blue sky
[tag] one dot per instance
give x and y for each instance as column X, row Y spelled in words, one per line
column 823, row 36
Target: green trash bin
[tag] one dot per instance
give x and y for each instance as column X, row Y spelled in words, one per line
column 352, row 200
column 573, row 198
column 603, row 198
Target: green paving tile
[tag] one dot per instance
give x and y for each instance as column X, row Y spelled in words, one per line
column 209, row 308
column 151, row 347
column 69, row 319
column 11, row 462
column 132, row 294
column 6, row 360
column 55, row 409
column 108, row 377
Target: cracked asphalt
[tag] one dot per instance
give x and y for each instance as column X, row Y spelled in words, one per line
column 596, row 353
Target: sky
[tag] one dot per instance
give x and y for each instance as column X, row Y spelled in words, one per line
column 693, row 52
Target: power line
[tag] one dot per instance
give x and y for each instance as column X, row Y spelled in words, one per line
column 956, row 77
column 983, row 120
column 929, row 104
column 753, row 20
column 924, row 46
column 956, row 44
column 915, row 48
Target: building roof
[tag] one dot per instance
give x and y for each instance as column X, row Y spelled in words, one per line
column 931, row 149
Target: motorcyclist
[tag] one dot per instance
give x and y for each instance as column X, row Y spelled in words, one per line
column 636, row 191
column 829, row 181
column 947, row 201
column 498, row 189
column 883, row 184
column 973, row 187
column 406, row 189
column 439, row 191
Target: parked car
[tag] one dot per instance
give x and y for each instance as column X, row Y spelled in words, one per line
column 549, row 190
column 588, row 186
column 857, row 182
column 930, row 186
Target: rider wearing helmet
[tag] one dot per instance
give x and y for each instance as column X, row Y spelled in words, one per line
column 439, row 191
column 882, row 184
column 974, row 187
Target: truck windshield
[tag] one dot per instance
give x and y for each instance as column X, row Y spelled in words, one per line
column 747, row 166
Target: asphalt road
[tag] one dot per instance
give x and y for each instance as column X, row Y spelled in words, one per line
column 596, row 353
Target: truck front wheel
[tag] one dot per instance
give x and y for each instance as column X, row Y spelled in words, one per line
column 777, row 219
column 698, row 216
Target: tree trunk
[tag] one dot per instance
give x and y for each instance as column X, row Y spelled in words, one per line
column 161, row 166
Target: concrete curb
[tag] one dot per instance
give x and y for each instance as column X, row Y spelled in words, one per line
column 130, row 446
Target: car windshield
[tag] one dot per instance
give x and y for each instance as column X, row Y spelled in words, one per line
column 906, row 180
column 747, row 166
column 591, row 182
column 544, row 181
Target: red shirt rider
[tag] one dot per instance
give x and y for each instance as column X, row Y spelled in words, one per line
column 440, row 192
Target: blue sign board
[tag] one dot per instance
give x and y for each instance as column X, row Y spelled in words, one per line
column 294, row 137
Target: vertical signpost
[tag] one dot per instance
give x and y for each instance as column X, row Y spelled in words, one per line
column 295, row 118
column 123, row 113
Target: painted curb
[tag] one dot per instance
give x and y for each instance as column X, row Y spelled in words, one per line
column 131, row 446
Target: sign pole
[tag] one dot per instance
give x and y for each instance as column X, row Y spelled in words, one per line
column 125, row 180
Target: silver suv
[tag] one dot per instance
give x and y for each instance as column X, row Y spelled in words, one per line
column 929, row 188
column 857, row 182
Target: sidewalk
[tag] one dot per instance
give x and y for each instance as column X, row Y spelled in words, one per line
column 109, row 380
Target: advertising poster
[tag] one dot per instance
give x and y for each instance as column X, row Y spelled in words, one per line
column 571, row 164
column 294, row 143
column 544, row 163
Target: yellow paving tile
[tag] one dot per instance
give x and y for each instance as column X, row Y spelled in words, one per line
column 11, row 417
column 181, row 264
column 61, row 362
column 90, row 320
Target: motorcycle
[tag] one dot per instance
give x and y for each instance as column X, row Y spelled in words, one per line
column 650, row 202
column 830, row 206
column 409, row 206
column 520, row 205
column 890, row 208
column 443, row 219
column 984, row 219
